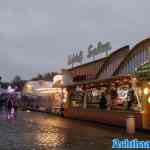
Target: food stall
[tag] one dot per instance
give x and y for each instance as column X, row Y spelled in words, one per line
column 122, row 100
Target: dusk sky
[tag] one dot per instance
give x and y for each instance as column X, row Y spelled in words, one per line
column 37, row 35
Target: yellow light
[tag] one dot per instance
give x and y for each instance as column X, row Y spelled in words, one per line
column 146, row 91
column 148, row 83
column 64, row 100
column 29, row 86
column 149, row 100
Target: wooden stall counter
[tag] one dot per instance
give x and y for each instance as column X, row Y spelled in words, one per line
column 117, row 118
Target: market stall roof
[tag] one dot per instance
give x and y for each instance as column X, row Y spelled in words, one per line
column 97, row 81
column 144, row 71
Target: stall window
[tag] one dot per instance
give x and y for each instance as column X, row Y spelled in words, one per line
column 124, row 98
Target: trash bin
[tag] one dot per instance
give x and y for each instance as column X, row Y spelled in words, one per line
column 130, row 124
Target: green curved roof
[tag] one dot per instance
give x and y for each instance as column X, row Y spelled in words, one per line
column 144, row 71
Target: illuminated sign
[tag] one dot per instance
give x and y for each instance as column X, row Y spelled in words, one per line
column 92, row 52
column 75, row 58
column 101, row 48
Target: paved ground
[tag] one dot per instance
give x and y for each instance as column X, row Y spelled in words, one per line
column 37, row 131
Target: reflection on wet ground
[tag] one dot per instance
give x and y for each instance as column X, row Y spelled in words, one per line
column 38, row 131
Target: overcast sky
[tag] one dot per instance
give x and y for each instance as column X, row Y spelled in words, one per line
column 37, row 35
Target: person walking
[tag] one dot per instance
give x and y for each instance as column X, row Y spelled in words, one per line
column 15, row 107
column 9, row 107
column 10, row 102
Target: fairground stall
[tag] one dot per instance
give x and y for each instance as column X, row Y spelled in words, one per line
column 109, row 90
column 44, row 95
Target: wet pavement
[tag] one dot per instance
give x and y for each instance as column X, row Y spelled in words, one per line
column 39, row 131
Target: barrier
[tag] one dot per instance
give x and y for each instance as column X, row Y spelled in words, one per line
column 130, row 124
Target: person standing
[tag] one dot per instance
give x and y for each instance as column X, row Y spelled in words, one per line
column 131, row 98
column 103, row 102
column 114, row 96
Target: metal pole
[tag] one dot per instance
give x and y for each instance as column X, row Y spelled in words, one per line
column 62, row 96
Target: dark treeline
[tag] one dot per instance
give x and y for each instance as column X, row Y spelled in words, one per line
column 46, row 76
column 19, row 82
